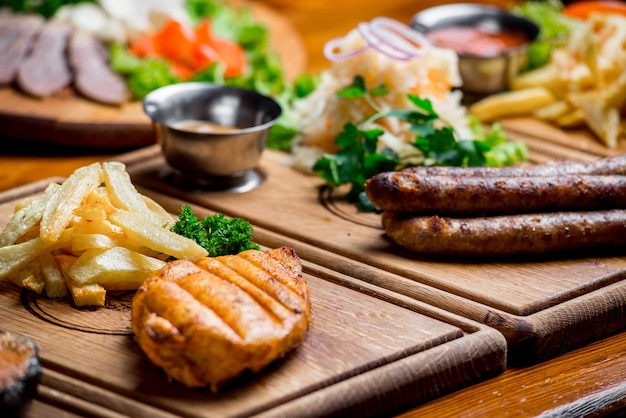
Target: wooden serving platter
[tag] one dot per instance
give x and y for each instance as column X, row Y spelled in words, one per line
column 369, row 352
column 543, row 306
column 68, row 119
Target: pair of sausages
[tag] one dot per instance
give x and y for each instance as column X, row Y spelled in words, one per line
column 504, row 211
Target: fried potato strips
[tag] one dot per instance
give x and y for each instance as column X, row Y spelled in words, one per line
column 514, row 103
column 586, row 77
column 92, row 233
column 59, row 208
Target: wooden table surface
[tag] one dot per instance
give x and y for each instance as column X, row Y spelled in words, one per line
column 586, row 382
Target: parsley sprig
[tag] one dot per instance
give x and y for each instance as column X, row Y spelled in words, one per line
column 360, row 157
column 217, row 234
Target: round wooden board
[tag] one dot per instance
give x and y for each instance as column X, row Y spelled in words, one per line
column 70, row 120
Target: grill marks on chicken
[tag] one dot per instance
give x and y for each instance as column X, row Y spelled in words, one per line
column 206, row 323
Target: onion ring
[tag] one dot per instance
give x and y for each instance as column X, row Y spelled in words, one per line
column 399, row 36
column 385, row 35
column 380, row 44
column 334, row 44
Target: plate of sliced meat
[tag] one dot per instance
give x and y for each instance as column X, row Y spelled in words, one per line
column 56, row 85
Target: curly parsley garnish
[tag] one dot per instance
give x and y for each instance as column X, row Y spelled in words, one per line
column 360, row 157
column 217, row 234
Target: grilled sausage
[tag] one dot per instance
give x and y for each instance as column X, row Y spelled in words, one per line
column 602, row 166
column 506, row 235
column 446, row 195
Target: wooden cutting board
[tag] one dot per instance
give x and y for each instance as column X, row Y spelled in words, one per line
column 70, row 120
column 369, row 352
column 548, row 142
column 544, row 306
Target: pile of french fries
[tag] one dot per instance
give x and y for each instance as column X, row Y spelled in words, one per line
column 583, row 85
column 92, row 233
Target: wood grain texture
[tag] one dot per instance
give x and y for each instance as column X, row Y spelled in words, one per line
column 544, row 306
column 575, row 384
column 577, row 144
column 365, row 353
column 68, row 119
column 589, row 376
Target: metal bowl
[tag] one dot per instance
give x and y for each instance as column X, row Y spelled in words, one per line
column 219, row 156
column 481, row 75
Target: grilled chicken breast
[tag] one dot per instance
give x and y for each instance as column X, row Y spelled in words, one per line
column 205, row 323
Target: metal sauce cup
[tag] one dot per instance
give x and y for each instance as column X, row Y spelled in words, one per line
column 481, row 75
column 243, row 119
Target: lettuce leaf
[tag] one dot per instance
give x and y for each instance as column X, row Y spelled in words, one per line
column 554, row 28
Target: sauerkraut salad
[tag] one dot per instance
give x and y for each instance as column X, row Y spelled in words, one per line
column 322, row 113
column 407, row 99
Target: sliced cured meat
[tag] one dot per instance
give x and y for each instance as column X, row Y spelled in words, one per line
column 45, row 71
column 92, row 76
column 17, row 34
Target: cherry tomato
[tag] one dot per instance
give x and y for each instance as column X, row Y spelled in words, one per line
column 582, row 9
column 231, row 55
column 191, row 50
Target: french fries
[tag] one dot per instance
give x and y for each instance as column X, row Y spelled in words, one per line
column 514, row 103
column 92, row 233
column 88, row 295
column 26, row 217
column 587, row 78
column 116, row 268
column 59, row 208
column 54, row 282
column 158, row 239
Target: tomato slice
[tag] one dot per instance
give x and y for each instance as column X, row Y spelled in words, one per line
column 232, row 56
column 229, row 53
column 204, row 55
column 583, row 9
column 182, row 71
column 144, row 47
column 191, row 50
column 203, row 32
column 176, row 43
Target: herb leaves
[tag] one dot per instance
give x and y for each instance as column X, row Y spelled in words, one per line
column 360, row 155
column 217, row 234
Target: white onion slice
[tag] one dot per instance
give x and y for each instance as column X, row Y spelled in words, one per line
column 399, row 36
column 331, row 47
column 381, row 44
column 385, row 35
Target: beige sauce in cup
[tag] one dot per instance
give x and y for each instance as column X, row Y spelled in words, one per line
column 201, row 126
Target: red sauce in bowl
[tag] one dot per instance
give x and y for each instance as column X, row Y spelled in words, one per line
column 476, row 41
